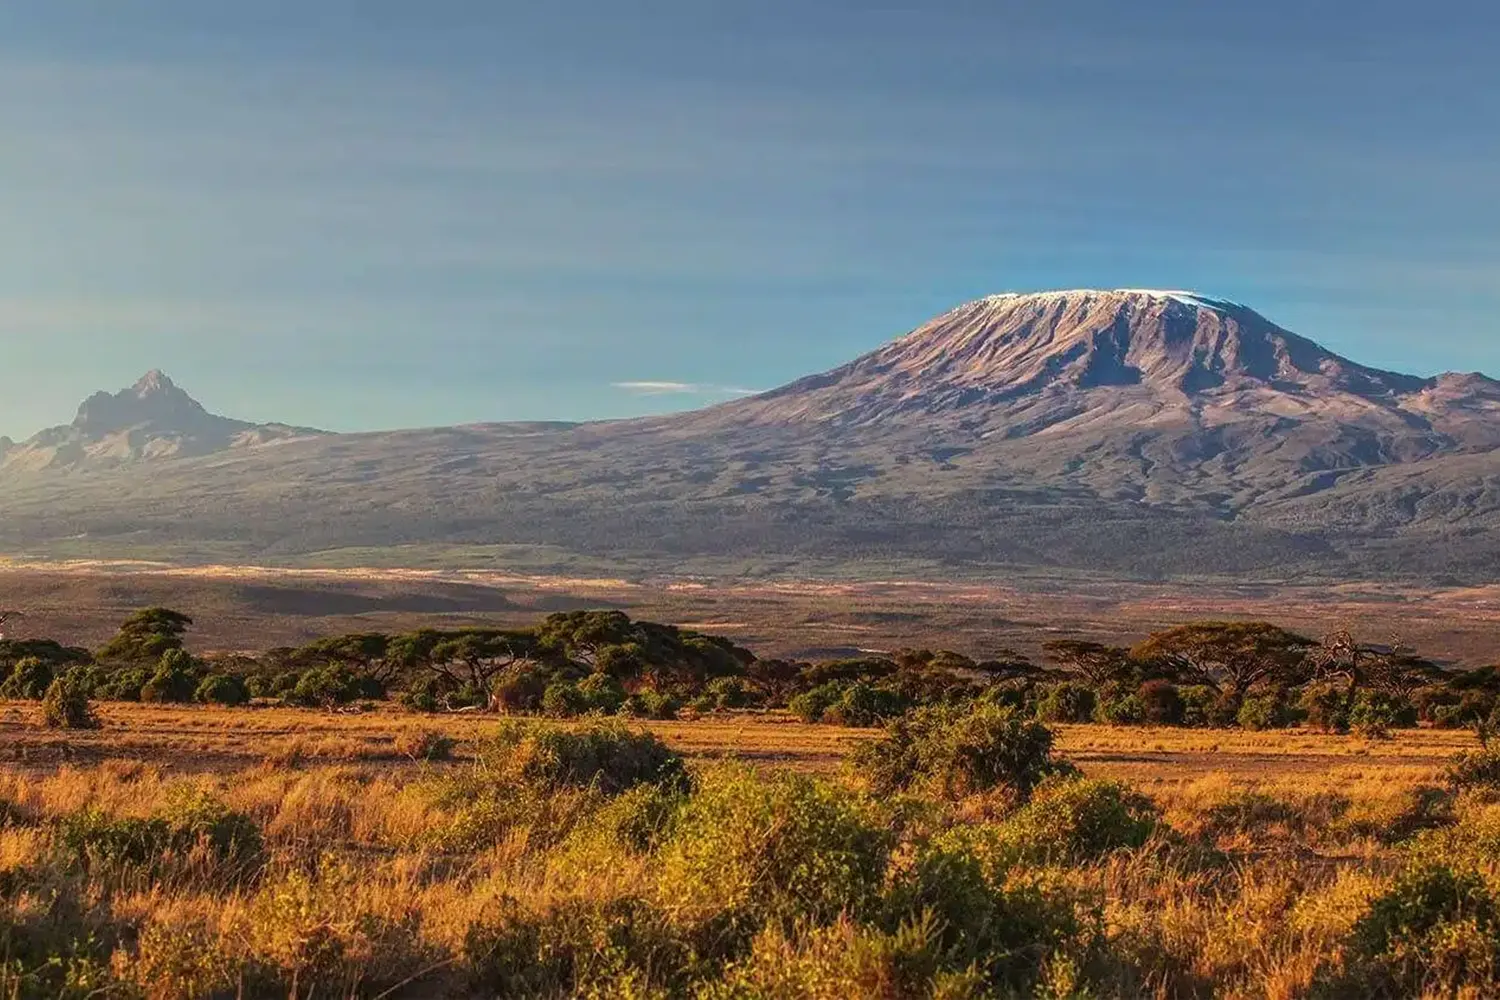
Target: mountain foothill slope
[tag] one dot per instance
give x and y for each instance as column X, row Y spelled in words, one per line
column 1131, row 432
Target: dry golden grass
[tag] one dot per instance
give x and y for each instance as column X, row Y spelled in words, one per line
column 356, row 892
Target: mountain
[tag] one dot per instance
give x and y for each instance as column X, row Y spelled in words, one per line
column 1130, row 432
column 153, row 419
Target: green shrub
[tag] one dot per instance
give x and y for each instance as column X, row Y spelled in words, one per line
column 746, row 850
column 1433, row 933
column 576, row 948
column 955, row 751
column 1201, row 707
column 562, row 700
column 175, row 679
column 1121, row 711
column 187, row 820
column 121, row 684
column 602, row 693
column 334, row 684
column 607, row 756
column 1066, row 702
column 519, row 688
column 1374, row 715
column 427, row 693
column 1077, row 820
column 1262, row 711
column 730, row 693
column 650, row 705
column 809, row 706
column 1476, row 769
column 1325, row 708
column 66, row 706
column 29, row 680
column 222, row 689
column 863, row 706
column 1161, row 703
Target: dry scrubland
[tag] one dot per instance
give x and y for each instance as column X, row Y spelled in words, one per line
column 197, row 851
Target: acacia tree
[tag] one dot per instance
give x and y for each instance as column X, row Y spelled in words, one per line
column 472, row 658
column 1230, row 657
column 1097, row 663
column 146, row 635
column 1394, row 669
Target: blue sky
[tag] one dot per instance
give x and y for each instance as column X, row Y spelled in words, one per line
column 363, row 214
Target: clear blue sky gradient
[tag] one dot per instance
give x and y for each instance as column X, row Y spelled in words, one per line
column 365, row 214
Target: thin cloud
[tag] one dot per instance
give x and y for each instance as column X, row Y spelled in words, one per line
column 662, row 388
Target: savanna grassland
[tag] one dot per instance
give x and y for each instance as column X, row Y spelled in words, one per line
column 196, row 851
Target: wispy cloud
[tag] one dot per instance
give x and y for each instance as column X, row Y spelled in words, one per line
column 661, row 388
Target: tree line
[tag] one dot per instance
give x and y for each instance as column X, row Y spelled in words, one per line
column 1212, row 673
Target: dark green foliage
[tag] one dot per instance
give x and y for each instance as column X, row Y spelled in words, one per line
column 1231, row 657
column 1066, row 702
column 1202, row 707
column 519, row 688
column 810, row 705
column 607, row 756
column 29, row 680
column 1376, row 713
column 1118, row 707
column 1477, row 769
column 1263, row 711
column 334, row 684
column 602, row 693
column 1075, row 820
column 187, row 820
column 562, row 700
column 1161, row 703
column 222, row 689
column 1431, row 934
column 66, row 706
column 175, row 680
column 146, row 636
column 577, row 948
column 1325, row 707
column 861, row 705
column 425, row 694
column 650, row 705
column 730, row 693
column 956, row 751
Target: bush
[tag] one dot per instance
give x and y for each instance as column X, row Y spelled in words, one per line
column 1262, row 711
column 1433, row 933
column 175, row 679
column 650, row 705
column 730, row 693
column 424, row 744
column 563, row 700
column 519, row 688
column 222, row 689
column 957, row 751
column 333, row 684
column 121, row 684
column 606, row 756
column 1121, row 711
column 427, row 693
column 747, row 850
column 66, row 706
column 1478, row 769
column 1374, row 715
column 1161, row 703
column 1066, row 702
column 188, row 819
column 1201, row 707
column 863, row 706
column 1077, row 820
column 602, row 693
column 809, row 706
column 29, row 680
column 1325, row 710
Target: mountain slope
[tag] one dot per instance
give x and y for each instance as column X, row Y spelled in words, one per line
column 153, row 419
column 1129, row 432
